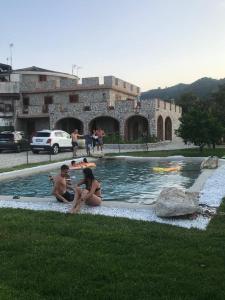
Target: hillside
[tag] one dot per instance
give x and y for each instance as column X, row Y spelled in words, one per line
column 202, row 88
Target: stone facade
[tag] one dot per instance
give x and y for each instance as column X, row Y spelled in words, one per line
column 59, row 101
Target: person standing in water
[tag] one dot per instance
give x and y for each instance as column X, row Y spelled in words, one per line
column 90, row 195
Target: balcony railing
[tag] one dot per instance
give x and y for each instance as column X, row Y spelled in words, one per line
column 25, row 109
column 45, row 108
column 9, row 87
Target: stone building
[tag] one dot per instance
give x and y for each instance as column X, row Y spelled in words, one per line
column 9, row 93
column 49, row 99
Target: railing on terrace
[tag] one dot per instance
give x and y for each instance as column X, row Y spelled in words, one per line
column 9, row 87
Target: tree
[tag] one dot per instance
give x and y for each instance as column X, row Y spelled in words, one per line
column 200, row 128
column 187, row 101
column 216, row 104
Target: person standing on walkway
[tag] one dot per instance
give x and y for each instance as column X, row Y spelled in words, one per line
column 94, row 139
column 88, row 143
column 100, row 134
column 75, row 136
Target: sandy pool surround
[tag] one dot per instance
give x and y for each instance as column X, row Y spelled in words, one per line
column 207, row 180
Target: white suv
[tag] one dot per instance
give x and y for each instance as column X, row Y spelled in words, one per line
column 52, row 141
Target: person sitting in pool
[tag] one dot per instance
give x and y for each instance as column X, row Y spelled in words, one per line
column 61, row 185
column 73, row 163
column 69, row 185
column 90, row 195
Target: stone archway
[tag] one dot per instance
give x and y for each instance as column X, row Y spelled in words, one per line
column 69, row 124
column 108, row 124
column 160, row 128
column 136, row 128
column 168, row 129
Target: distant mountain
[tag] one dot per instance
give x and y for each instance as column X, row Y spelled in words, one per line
column 202, row 88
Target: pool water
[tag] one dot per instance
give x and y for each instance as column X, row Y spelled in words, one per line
column 121, row 180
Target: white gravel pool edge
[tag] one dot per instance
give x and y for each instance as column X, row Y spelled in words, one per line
column 211, row 194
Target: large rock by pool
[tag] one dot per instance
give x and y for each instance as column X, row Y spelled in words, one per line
column 173, row 202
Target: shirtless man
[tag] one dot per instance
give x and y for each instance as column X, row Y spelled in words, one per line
column 60, row 186
column 100, row 134
column 75, row 135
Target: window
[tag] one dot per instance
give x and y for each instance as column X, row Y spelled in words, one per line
column 74, row 98
column 65, row 135
column 118, row 97
column 48, row 100
column 26, row 101
column 124, row 85
column 8, row 108
column 2, row 108
column 4, row 136
column 58, row 134
column 104, row 96
column 164, row 105
column 158, row 102
column 42, row 78
column 87, row 108
column 42, row 134
column 131, row 87
column 116, row 81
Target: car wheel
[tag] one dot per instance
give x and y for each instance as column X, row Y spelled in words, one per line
column 18, row 148
column 55, row 149
column 35, row 151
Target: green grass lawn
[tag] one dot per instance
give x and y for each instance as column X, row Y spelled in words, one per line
column 48, row 255
column 29, row 165
column 192, row 152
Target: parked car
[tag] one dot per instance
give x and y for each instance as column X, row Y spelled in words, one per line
column 52, row 141
column 13, row 140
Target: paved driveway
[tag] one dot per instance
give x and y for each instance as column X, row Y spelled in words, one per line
column 10, row 159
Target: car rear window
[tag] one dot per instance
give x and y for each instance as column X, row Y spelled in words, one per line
column 6, row 136
column 42, row 134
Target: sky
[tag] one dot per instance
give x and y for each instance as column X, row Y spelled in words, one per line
column 150, row 43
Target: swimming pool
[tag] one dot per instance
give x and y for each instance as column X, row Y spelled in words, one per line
column 131, row 180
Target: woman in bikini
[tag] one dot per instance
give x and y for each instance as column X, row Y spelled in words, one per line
column 90, row 195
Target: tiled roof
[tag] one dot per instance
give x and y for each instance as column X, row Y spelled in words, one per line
column 36, row 69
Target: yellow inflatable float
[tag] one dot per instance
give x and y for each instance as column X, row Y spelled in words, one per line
column 168, row 169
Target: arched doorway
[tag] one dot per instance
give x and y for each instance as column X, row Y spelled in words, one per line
column 160, row 128
column 168, row 129
column 110, row 126
column 136, row 129
column 69, row 124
